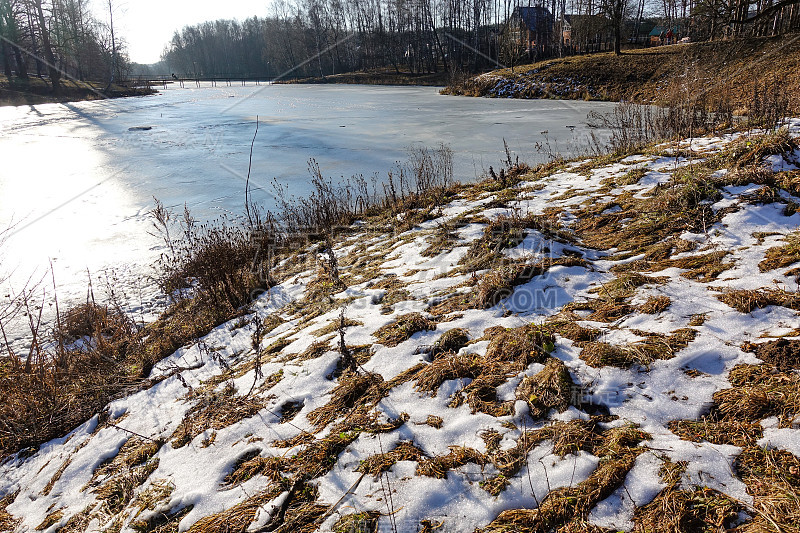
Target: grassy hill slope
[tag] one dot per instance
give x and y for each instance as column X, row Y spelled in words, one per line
column 730, row 69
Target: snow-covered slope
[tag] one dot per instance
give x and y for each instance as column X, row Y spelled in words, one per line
column 444, row 431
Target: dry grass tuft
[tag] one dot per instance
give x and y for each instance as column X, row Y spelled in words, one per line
column 61, row 383
column 134, row 452
column 403, row 328
column 703, row 268
column 697, row 320
column 434, row 421
column 238, row 518
column 746, row 301
column 773, row 479
column 757, row 392
column 353, row 390
column 732, row 432
column 364, row 522
column 784, row 354
column 50, row 520
column 251, row 465
column 453, row 304
column 444, row 239
column 377, row 464
column 459, row 456
column 572, row 331
column 624, row 285
column 565, row 505
column 602, row 309
column 523, row 345
column 503, row 232
column 655, row 305
column 316, row 349
column 499, row 282
column 333, row 326
column 215, row 410
column 552, row 388
column 782, row 256
column 750, row 151
column 7, row 522
column 161, row 522
column 481, row 393
column 451, row 341
column 118, row 491
column 431, row 376
column 701, row 510
column 643, row 353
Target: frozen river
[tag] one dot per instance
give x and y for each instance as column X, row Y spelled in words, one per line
column 77, row 180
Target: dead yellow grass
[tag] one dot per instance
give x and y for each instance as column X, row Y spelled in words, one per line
column 773, row 479
column 403, row 328
column 459, row 456
column 746, row 301
column 782, row 256
column 451, row 341
column 523, row 345
column 377, row 464
column 353, row 391
column 442, row 369
column 647, row 76
column 215, row 410
column 552, row 388
column 7, row 522
column 252, row 465
column 655, row 305
column 643, row 353
column 236, row 519
column 565, row 505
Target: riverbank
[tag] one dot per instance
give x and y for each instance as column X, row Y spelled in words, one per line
column 577, row 346
column 732, row 71
column 34, row 91
column 379, row 77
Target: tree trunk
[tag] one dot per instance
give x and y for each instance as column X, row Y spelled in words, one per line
column 113, row 67
column 52, row 70
column 6, row 62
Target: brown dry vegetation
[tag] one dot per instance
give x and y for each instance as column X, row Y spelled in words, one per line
column 757, row 392
column 746, row 301
column 677, row 510
column 552, row 388
column 403, row 328
column 654, row 74
column 782, row 256
column 500, row 281
column 654, row 346
column 617, row 449
column 215, row 410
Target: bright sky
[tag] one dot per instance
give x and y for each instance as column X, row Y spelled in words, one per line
column 147, row 25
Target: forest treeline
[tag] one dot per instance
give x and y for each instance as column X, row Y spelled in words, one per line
column 321, row 37
column 54, row 39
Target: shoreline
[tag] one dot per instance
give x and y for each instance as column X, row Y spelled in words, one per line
column 378, row 77
column 36, row 91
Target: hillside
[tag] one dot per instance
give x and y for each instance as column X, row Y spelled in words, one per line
column 726, row 70
column 597, row 345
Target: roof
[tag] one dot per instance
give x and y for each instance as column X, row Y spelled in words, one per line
column 659, row 30
column 536, row 18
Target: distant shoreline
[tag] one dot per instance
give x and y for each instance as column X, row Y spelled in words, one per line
column 377, row 77
column 36, row 91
